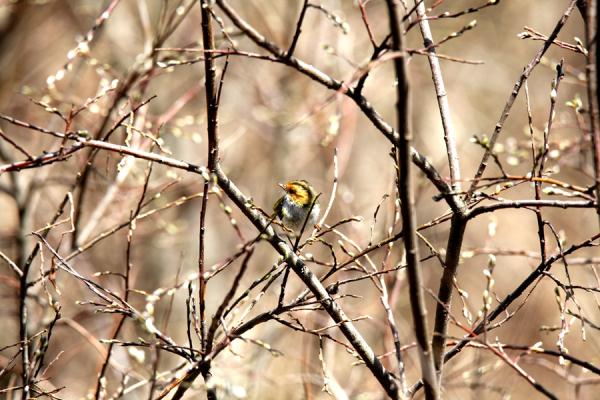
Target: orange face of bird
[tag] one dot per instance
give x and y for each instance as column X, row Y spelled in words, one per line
column 297, row 191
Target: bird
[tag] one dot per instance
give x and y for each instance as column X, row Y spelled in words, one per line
column 298, row 208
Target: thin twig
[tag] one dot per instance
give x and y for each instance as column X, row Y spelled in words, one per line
column 16, row 145
column 298, row 31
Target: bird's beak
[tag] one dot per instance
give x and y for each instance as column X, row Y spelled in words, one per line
column 281, row 185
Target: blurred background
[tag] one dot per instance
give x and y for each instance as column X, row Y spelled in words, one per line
column 277, row 125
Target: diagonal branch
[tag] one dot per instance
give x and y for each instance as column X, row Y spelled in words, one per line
column 312, row 282
column 515, row 92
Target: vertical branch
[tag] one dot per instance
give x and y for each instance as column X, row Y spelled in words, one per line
column 591, row 73
column 21, row 267
column 442, row 97
column 405, row 191
column 444, row 296
column 23, row 336
column 458, row 222
column 20, row 242
column 544, row 156
column 538, row 185
column 210, row 83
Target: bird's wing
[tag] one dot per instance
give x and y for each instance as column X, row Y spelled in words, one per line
column 278, row 207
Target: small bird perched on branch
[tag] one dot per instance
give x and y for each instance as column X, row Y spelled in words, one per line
column 298, row 209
